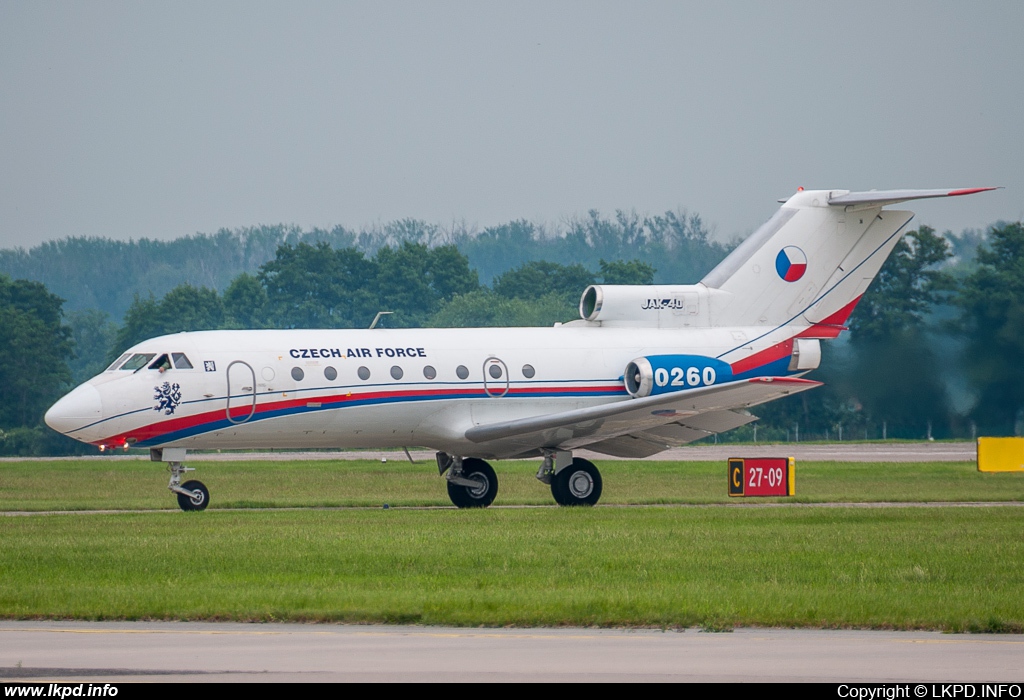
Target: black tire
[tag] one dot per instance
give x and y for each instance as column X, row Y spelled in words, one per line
column 577, row 485
column 196, row 502
column 481, row 497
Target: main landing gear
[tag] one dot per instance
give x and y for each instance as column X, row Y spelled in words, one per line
column 472, row 482
column 574, row 481
column 192, row 495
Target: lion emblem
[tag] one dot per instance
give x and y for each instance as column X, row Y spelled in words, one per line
column 168, row 397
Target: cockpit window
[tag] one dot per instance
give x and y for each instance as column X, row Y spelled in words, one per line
column 138, row 361
column 180, row 361
column 118, row 361
column 162, row 363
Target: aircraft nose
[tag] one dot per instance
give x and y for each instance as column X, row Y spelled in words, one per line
column 79, row 408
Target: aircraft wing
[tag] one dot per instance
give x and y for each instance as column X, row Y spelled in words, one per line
column 645, row 423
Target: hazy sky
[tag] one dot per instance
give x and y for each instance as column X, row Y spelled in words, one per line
column 164, row 119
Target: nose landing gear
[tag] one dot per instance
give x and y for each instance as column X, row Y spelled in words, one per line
column 192, row 495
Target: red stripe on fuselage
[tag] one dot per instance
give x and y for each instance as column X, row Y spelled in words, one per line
column 832, row 325
column 763, row 357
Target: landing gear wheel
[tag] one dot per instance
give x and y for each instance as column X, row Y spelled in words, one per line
column 475, row 496
column 200, row 498
column 577, row 485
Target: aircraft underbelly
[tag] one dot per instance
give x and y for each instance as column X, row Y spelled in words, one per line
column 434, row 424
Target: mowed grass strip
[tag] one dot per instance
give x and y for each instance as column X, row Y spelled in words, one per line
column 137, row 484
column 935, row 568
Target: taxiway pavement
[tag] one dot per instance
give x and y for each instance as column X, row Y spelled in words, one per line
column 204, row 652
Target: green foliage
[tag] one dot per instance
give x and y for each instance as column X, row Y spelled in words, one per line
column 627, row 272
column 991, row 302
column 245, row 303
column 98, row 273
column 536, row 279
column 675, row 243
column 484, row 308
column 317, row 286
column 909, row 284
column 414, row 280
column 894, row 377
column 34, row 351
column 93, row 334
column 184, row 308
column 320, row 287
column 40, row 441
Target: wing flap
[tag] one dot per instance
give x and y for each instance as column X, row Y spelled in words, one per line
column 682, row 432
column 587, row 426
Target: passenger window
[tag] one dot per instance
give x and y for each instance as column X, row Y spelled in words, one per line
column 528, row 371
column 429, row 372
column 297, row 374
column 461, row 371
column 118, row 361
column 138, row 361
column 330, row 373
column 396, row 372
column 363, row 373
column 494, row 371
column 180, row 361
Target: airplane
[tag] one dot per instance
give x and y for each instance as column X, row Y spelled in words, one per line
column 644, row 368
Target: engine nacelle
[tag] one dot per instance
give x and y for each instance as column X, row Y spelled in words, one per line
column 651, row 306
column 663, row 374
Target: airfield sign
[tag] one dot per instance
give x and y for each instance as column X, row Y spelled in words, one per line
column 762, row 476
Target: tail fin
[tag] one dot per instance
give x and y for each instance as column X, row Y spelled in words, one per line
column 813, row 260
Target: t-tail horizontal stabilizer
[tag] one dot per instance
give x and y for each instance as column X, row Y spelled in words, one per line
column 812, row 261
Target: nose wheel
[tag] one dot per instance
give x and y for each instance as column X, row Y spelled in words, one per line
column 197, row 499
column 192, row 495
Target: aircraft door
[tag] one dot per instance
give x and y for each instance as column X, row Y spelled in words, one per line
column 495, row 377
column 241, row 401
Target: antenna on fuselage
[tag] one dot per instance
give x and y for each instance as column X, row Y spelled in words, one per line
column 376, row 318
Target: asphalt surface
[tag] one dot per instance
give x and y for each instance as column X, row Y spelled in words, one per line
column 205, row 652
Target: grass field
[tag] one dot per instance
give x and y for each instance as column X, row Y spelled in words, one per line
column 88, row 485
column 953, row 568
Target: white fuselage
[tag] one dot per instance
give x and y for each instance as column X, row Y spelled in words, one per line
column 372, row 388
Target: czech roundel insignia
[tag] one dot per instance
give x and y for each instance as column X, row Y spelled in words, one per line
column 791, row 263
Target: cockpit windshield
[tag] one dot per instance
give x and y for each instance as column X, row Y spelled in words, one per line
column 180, row 361
column 138, row 361
column 118, row 361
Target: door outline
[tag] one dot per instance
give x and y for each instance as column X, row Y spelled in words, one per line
column 494, row 388
column 252, row 389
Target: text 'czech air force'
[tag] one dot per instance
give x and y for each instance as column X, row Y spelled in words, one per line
column 327, row 353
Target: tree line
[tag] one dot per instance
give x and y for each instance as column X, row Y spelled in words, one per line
column 99, row 274
column 934, row 347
